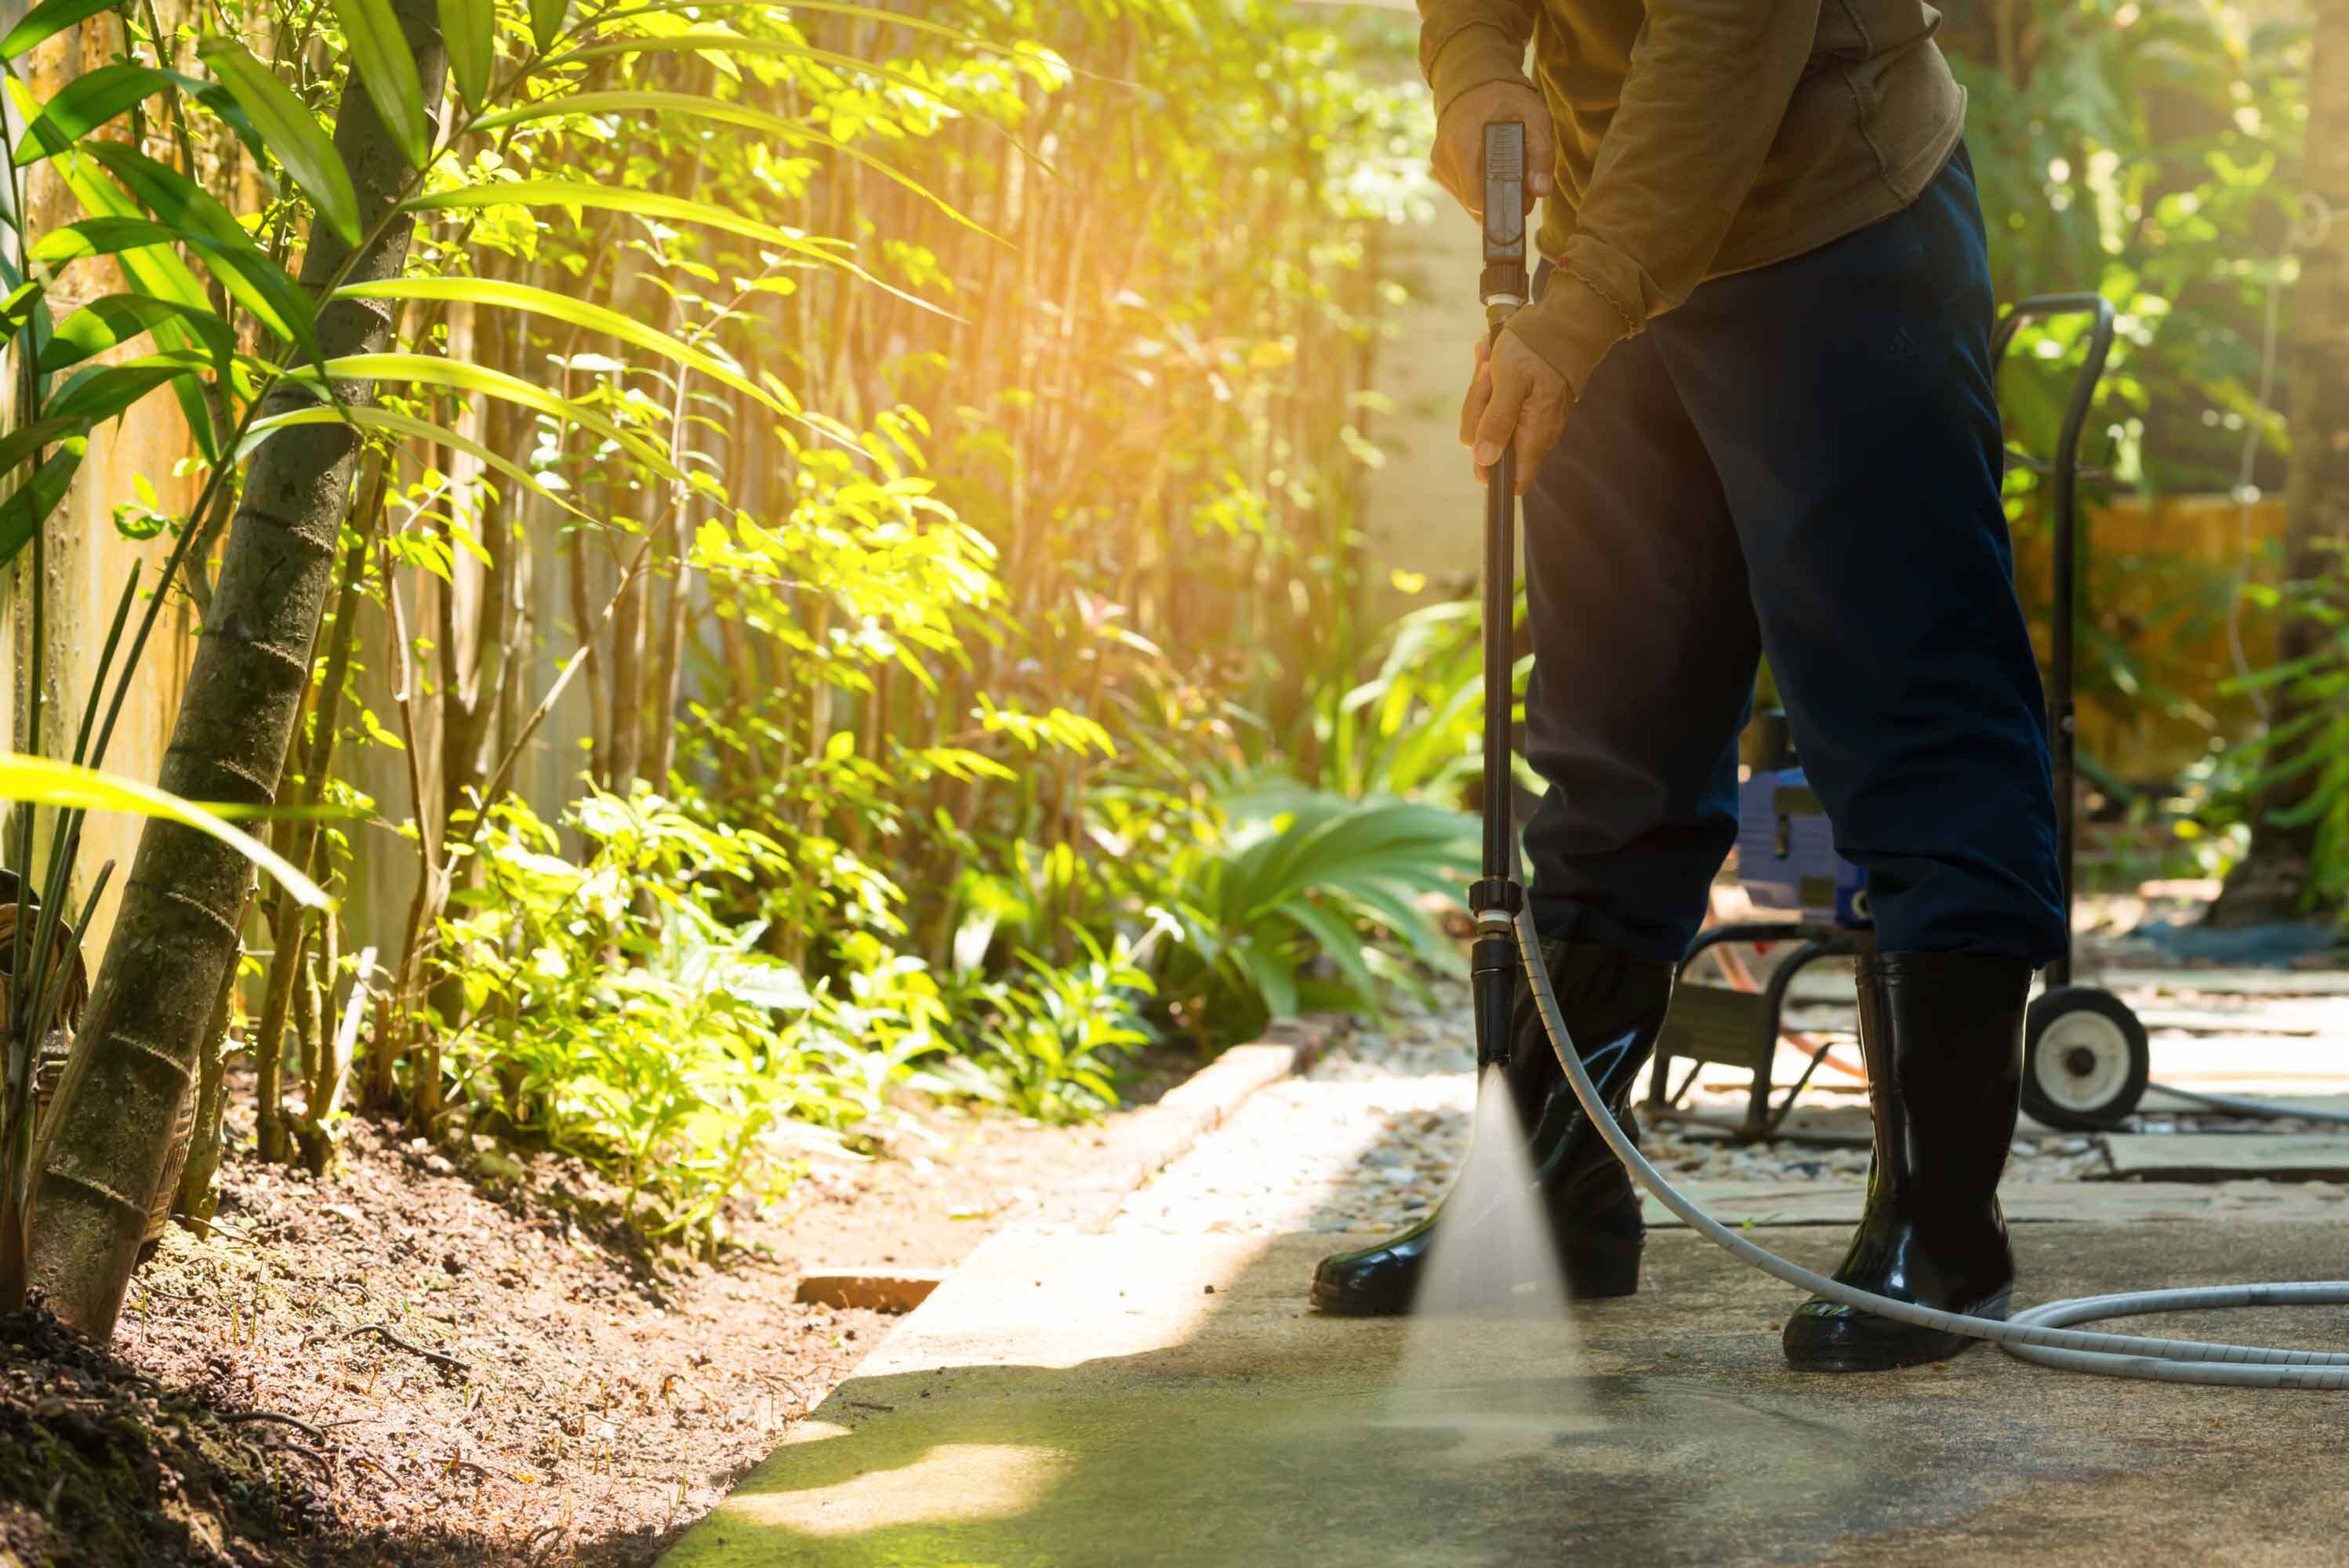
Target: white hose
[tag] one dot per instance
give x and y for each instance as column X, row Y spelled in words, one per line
column 2038, row 1335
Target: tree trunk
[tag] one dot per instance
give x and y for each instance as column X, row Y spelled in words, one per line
column 176, row 930
column 2277, row 879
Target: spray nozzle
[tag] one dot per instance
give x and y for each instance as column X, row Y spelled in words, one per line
column 1505, row 282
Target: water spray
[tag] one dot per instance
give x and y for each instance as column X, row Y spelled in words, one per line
column 2041, row 1333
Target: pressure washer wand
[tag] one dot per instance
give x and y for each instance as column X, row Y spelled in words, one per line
column 1495, row 899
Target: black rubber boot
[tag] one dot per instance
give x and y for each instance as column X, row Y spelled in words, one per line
column 1613, row 1005
column 1943, row 1035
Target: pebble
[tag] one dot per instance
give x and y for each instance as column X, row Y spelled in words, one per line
column 1372, row 1136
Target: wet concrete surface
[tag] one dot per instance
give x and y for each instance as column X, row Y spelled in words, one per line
column 1078, row 1400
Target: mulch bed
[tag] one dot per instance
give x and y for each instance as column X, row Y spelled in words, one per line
column 409, row 1363
column 412, row 1365
column 424, row 1363
column 104, row 1466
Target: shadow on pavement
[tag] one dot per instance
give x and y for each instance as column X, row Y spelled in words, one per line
column 1257, row 1431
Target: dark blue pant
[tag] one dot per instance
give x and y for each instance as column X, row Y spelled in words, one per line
column 1801, row 460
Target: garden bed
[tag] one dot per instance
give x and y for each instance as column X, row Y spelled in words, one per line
column 410, row 1363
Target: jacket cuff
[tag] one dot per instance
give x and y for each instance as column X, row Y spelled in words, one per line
column 1472, row 56
column 1571, row 327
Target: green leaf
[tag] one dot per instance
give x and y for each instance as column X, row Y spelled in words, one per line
column 117, row 319
column 1335, row 937
column 433, row 371
column 155, row 269
column 22, row 300
column 736, row 44
column 94, row 99
column 244, row 272
column 1274, row 981
column 86, row 102
column 696, row 107
column 87, row 237
column 291, row 131
column 468, row 27
column 46, row 20
column 26, row 309
column 252, row 279
column 26, row 439
column 393, row 422
column 98, row 392
column 53, row 783
column 387, row 68
column 31, row 504
column 546, row 22
column 152, row 268
column 576, row 312
column 649, row 204
column 705, row 8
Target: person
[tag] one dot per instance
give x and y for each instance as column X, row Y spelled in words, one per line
column 1752, row 415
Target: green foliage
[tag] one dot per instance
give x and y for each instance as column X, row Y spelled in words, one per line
column 1092, row 540
column 673, row 1053
column 2303, row 755
column 1047, row 1039
column 1416, row 727
column 2147, row 151
column 2139, row 149
column 948, row 430
column 1291, row 873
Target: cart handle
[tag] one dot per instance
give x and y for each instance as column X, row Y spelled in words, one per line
column 2061, row 720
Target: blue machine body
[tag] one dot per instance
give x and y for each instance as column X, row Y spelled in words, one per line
column 1786, row 851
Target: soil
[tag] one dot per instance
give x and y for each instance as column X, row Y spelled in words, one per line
column 418, row 1364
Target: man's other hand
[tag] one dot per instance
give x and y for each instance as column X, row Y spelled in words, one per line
column 1459, row 158
column 1516, row 398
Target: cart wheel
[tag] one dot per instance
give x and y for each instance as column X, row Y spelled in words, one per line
column 2085, row 1060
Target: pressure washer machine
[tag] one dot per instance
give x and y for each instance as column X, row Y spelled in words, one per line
column 2086, row 1058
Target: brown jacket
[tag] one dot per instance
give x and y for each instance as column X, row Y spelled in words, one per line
column 1701, row 136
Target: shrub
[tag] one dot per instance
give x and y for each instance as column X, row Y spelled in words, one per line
column 611, row 1015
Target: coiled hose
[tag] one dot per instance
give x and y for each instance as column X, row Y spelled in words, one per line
column 2040, row 1334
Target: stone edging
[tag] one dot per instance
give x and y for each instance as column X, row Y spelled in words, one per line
column 1157, row 1135
column 1143, row 1144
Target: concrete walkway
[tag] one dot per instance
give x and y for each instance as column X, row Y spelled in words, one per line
column 1121, row 1399
column 1161, row 1395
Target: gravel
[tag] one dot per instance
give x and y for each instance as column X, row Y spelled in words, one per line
column 1371, row 1137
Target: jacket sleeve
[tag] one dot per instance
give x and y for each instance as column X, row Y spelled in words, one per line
column 1465, row 44
column 1709, row 82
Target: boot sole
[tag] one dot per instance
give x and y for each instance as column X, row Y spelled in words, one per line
column 1865, row 1342
column 1599, row 1272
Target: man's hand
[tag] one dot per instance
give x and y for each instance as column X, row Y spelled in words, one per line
column 1515, row 398
column 1459, row 156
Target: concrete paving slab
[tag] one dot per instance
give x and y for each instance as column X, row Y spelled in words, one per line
column 1829, row 1124
column 1157, row 1135
column 1081, row 1401
column 2199, row 1060
column 2159, row 1100
column 2220, row 1156
column 1828, row 1201
column 2271, row 1020
column 1826, row 1126
column 1833, row 1118
column 2217, row 982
